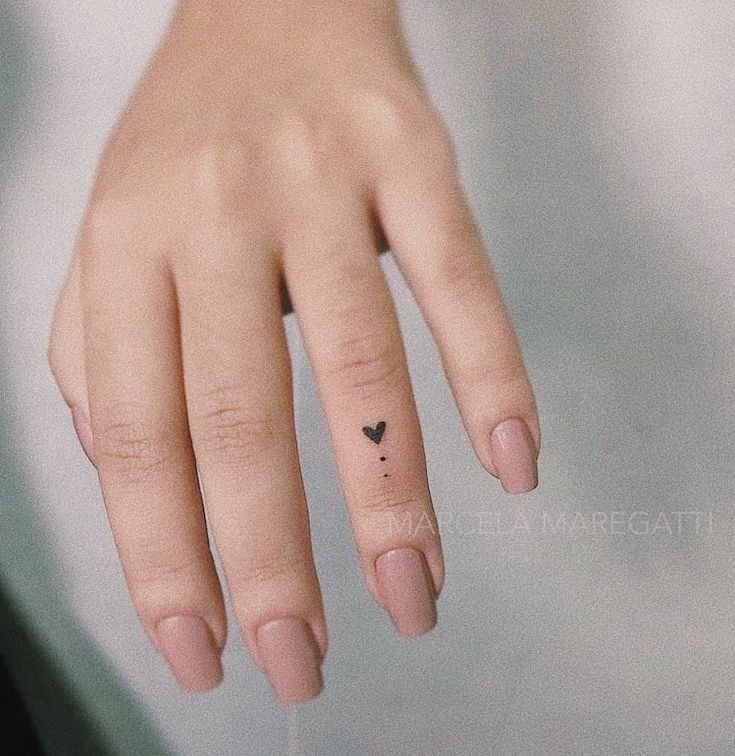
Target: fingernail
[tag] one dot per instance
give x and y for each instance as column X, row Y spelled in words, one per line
column 290, row 656
column 189, row 647
column 514, row 456
column 409, row 596
column 83, row 430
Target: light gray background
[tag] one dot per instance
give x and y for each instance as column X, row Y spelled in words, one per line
column 596, row 143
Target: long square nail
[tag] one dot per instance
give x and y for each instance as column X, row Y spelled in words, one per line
column 407, row 589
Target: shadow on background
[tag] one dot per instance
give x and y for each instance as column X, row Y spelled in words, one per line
column 63, row 723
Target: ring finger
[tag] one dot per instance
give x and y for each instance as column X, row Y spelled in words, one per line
column 351, row 333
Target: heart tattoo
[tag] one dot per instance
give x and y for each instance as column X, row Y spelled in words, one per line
column 376, row 433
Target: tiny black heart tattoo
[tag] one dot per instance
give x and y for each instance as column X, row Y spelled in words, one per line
column 376, row 433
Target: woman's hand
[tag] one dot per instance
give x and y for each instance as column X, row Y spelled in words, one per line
column 273, row 146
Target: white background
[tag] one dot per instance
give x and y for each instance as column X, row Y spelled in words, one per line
column 597, row 146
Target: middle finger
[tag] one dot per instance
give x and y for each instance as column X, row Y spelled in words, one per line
column 238, row 390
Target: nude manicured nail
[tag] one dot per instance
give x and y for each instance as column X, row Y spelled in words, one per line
column 407, row 590
column 83, row 430
column 189, row 647
column 514, row 456
column 290, row 657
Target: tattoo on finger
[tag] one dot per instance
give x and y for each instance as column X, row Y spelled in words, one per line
column 375, row 434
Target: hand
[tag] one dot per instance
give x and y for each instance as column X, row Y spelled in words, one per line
column 272, row 147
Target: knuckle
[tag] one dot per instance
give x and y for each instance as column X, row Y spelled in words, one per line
column 392, row 110
column 392, row 500
column 165, row 583
column 215, row 172
column 224, row 423
column 266, row 570
column 362, row 362
column 401, row 107
column 302, row 149
column 162, row 569
column 414, row 122
column 127, row 446
column 506, row 380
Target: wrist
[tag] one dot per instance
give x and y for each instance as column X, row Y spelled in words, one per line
column 306, row 33
column 250, row 16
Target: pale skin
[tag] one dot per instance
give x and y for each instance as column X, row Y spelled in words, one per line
column 270, row 152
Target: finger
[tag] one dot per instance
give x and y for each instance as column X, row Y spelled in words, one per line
column 439, row 249
column 144, row 457
column 66, row 355
column 351, row 333
column 239, row 397
column 287, row 307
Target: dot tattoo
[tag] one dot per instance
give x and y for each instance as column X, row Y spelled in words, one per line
column 376, row 436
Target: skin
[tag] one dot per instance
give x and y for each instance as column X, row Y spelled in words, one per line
column 269, row 154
